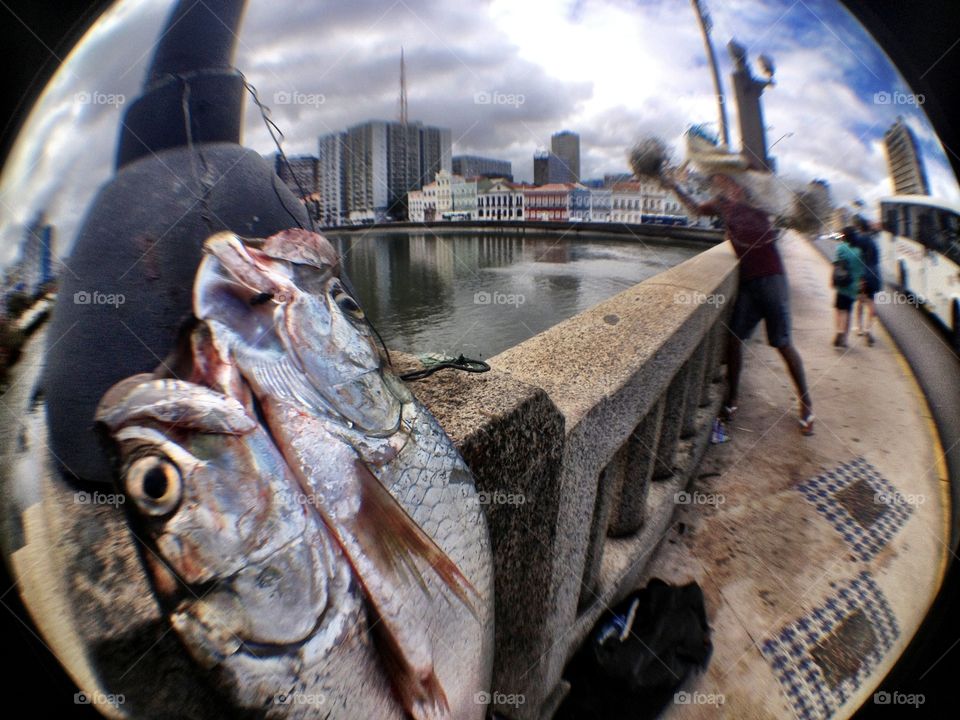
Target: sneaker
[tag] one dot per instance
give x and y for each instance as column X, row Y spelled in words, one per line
column 870, row 339
column 861, row 332
column 718, row 435
column 806, row 424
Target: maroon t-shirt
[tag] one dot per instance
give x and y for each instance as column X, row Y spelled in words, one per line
column 752, row 235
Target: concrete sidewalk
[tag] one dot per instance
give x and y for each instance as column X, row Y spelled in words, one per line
column 818, row 556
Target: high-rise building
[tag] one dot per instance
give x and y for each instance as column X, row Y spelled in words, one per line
column 565, row 145
column 365, row 171
column 436, row 152
column 611, row 179
column 332, row 179
column 34, row 268
column 376, row 164
column 903, row 159
column 475, row 166
column 404, row 152
column 299, row 173
column 548, row 168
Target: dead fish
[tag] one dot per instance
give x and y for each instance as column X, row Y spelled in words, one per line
column 255, row 587
column 386, row 479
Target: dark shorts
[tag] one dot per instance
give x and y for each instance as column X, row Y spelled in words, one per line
column 764, row 298
column 844, row 302
column 870, row 288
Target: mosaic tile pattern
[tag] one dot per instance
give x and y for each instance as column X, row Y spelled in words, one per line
column 861, row 505
column 822, row 658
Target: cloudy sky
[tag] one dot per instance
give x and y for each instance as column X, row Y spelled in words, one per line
column 503, row 75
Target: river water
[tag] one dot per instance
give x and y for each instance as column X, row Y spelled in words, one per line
column 479, row 294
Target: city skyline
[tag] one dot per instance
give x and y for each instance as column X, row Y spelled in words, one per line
column 614, row 73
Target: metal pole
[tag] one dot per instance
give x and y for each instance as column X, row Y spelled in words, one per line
column 712, row 57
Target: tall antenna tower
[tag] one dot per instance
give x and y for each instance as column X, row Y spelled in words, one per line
column 403, row 89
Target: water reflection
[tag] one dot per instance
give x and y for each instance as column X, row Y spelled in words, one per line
column 479, row 294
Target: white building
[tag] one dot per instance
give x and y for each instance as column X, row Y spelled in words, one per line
column 331, row 180
column 600, row 201
column 464, row 199
column 645, row 202
column 500, row 199
column 418, row 210
column 449, row 197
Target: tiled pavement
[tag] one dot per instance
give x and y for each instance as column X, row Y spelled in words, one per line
column 818, row 556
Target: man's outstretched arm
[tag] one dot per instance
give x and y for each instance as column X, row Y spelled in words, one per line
column 696, row 208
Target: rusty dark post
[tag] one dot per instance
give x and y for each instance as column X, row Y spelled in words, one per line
column 181, row 175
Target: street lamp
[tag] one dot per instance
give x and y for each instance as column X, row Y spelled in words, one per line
column 785, row 135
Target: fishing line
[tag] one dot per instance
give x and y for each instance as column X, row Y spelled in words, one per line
column 276, row 134
column 205, row 187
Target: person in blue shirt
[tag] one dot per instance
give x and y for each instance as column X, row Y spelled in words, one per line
column 872, row 279
column 849, row 256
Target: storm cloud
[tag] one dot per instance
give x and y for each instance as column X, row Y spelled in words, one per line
column 502, row 75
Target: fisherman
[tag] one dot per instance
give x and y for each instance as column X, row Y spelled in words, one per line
column 762, row 292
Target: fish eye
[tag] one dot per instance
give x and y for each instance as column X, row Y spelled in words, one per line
column 155, row 485
column 345, row 302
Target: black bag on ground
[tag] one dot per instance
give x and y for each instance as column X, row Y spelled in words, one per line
column 639, row 654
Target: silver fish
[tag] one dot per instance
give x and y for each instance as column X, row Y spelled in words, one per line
column 255, row 587
column 312, row 531
column 387, row 481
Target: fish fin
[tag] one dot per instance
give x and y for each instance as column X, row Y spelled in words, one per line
column 280, row 378
column 418, row 691
column 382, row 540
column 386, row 529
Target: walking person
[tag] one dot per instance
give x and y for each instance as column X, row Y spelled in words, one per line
column 847, row 274
column 872, row 280
column 762, row 294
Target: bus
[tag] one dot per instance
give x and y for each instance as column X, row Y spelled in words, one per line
column 920, row 251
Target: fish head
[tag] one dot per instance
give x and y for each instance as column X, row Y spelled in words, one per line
column 232, row 551
column 285, row 298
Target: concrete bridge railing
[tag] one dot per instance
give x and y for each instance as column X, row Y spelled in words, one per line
column 580, row 440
